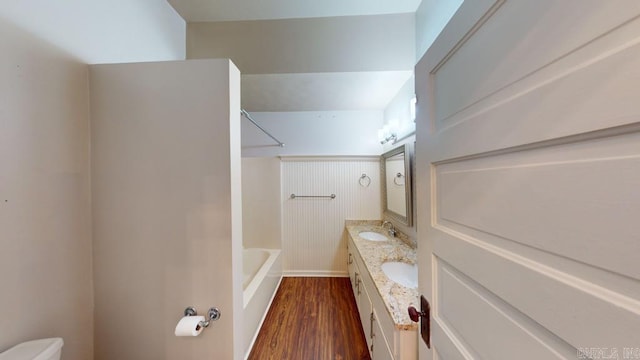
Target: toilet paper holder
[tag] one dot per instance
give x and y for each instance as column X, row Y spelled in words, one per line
column 212, row 315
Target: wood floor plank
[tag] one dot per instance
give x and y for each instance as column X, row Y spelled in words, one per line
column 312, row 319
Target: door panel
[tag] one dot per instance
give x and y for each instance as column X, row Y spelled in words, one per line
column 459, row 85
column 564, row 303
column 546, row 185
column 462, row 298
column 528, row 165
column 592, row 87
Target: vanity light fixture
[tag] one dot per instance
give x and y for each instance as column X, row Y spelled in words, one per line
column 391, row 137
column 395, row 130
column 389, row 132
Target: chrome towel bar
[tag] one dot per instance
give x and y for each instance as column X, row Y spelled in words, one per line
column 294, row 196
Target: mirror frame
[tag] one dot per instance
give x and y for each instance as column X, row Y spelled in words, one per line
column 406, row 149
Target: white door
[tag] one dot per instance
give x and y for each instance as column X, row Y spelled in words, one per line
column 528, row 160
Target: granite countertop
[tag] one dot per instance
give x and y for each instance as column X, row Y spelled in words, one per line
column 397, row 298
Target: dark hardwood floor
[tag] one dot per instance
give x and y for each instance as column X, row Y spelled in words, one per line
column 312, row 319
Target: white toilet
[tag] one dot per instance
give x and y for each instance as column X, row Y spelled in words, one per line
column 43, row 349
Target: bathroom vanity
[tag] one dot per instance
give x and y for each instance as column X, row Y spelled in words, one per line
column 382, row 303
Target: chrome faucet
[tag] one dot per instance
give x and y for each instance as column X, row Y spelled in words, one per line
column 392, row 230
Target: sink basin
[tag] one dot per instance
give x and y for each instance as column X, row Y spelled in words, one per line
column 372, row 236
column 401, row 273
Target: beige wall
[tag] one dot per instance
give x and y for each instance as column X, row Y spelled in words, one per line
column 166, row 182
column 261, row 217
column 45, row 213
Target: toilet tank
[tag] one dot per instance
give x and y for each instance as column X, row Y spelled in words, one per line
column 43, row 349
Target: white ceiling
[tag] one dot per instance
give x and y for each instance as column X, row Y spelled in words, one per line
column 236, row 10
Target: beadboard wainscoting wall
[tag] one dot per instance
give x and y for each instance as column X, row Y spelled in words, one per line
column 312, row 228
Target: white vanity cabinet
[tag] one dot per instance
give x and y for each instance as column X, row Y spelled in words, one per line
column 370, row 315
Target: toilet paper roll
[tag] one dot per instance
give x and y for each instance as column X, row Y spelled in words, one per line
column 189, row 326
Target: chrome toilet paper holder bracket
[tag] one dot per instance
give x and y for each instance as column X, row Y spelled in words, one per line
column 212, row 315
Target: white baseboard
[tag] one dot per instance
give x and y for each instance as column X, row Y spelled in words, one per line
column 314, row 273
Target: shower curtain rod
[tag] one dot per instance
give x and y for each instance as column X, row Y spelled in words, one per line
column 246, row 115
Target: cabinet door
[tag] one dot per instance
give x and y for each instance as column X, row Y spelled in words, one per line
column 365, row 309
column 380, row 349
column 352, row 268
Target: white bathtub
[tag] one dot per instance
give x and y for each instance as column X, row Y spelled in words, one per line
column 252, row 261
column 262, row 272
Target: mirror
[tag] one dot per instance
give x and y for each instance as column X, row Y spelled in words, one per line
column 395, row 167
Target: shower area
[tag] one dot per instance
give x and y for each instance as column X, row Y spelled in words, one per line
column 180, row 219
